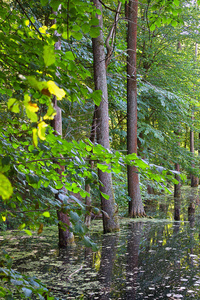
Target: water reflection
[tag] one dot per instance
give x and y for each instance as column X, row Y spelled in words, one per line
column 109, row 247
column 149, row 259
column 135, row 233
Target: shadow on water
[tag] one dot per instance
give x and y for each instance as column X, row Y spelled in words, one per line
column 149, row 259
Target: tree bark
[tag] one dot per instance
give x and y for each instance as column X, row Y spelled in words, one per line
column 91, row 162
column 194, row 179
column 65, row 235
column 136, row 207
column 110, row 219
column 177, row 187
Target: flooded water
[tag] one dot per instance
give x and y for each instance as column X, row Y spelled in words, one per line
column 156, row 258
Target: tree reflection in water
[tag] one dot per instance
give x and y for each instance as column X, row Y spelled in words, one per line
column 135, row 232
column 109, row 246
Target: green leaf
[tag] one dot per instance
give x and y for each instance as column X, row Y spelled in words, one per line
column 76, row 28
column 98, row 12
column 13, row 105
column 174, row 23
column 74, row 216
column 94, row 22
column 27, row 292
column 103, row 167
column 11, row 101
column 69, row 55
column 88, row 243
column 96, row 96
column 152, row 27
column 28, row 232
column 5, row 164
column 46, row 214
column 104, row 195
column 48, row 55
column 6, row 188
column 77, row 35
column 176, row 2
column 95, row 32
column 44, row 2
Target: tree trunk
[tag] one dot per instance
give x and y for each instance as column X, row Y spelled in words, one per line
column 194, row 179
column 65, row 235
column 110, row 219
column 177, row 187
column 91, row 162
column 136, row 207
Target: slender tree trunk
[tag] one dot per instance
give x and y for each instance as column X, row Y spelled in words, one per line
column 65, row 235
column 194, row 179
column 136, row 207
column 91, row 162
column 177, row 187
column 110, row 219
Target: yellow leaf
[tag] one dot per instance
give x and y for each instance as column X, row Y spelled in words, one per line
column 3, row 218
column 43, row 29
column 26, row 22
column 32, row 106
column 40, row 228
column 41, row 130
column 35, row 137
column 53, row 26
column 55, row 90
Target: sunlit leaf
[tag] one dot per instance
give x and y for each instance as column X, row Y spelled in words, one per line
column 46, row 214
column 6, row 188
column 49, row 55
column 41, row 130
column 28, row 232
column 13, row 105
column 35, row 137
column 104, row 195
column 55, row 90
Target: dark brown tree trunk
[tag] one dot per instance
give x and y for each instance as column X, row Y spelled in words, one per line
column 194, row 179
column 87, row 186
column 177, row 187
column 136, row 207
column 110, row 219
column 65, row 235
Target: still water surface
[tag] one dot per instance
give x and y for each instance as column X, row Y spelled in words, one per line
column 155, row 258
